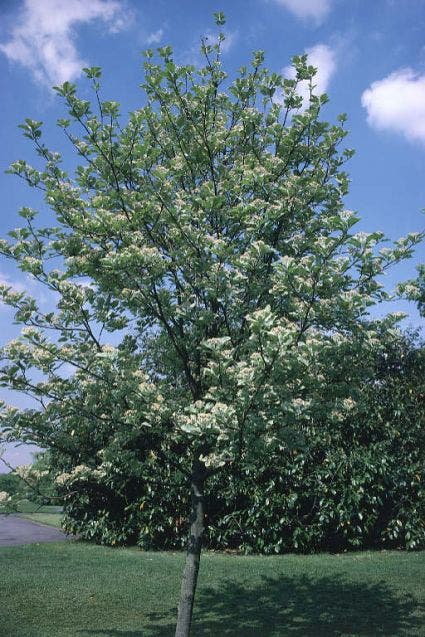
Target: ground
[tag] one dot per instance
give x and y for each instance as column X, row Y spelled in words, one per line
column 51, row 519
column 73, row 589
column 15, row 530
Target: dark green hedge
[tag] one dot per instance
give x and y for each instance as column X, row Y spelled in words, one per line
column 356, row 483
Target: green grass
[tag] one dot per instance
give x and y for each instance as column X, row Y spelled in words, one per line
column 25, row 506
column 75, row 589
column 51, row 519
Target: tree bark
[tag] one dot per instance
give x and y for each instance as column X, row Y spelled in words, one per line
column 193, row 555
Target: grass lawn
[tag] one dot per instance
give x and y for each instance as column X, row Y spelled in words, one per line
column 26, row 506
column 76, row 589
column 51, row 519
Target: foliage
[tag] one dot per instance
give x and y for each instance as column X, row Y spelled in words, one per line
column 10, row 483
column 421, row 281
column 350, row 482
column 357, row 483
column 414, row 290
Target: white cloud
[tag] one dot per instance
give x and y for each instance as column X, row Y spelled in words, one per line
column 17, row 286
column 43, row 38
column 30, row 286
column 397, row 103
column 323, row 58
column 155, row 37
column 315, row 9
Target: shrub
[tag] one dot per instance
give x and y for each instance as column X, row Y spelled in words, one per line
column 346, row 483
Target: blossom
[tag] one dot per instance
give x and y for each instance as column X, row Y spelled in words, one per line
column 23, row 471
column 62, row 478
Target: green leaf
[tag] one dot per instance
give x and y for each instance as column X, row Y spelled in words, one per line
column 219, row 18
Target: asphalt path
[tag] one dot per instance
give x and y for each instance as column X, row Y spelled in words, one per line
column 15, row 530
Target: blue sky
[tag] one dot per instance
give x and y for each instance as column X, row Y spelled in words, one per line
column 370, row 58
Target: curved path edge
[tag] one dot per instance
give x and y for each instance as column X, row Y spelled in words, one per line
column 15, row 530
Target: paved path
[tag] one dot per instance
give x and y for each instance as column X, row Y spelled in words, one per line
column 15, row 530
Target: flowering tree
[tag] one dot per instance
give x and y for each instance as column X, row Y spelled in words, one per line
column 208, row 234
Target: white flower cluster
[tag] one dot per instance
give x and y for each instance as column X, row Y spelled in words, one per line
column 206, row 417
column 30, row 332
column 4, row 496
column 300, row 405
column 61, row 479
column 79, row 471
column 410, row 290
column 348, row 404
column 342, row 408
column 83, row 471
column 23, row 471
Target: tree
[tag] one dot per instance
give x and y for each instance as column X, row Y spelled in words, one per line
column 414, row 290
column 208, row 234
column 9, row 482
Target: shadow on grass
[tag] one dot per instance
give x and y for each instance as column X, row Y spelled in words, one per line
column 302, row 606
column 120, row 633
column 293, row 606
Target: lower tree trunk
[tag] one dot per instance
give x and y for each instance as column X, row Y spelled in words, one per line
column 193, row 555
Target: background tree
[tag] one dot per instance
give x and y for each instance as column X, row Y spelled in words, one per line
column 32, row 482
column 209, row 234
column 421, row 282
column 414, row 290
column 9, row 482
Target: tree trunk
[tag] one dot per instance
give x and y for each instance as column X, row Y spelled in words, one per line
column 193, row 555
